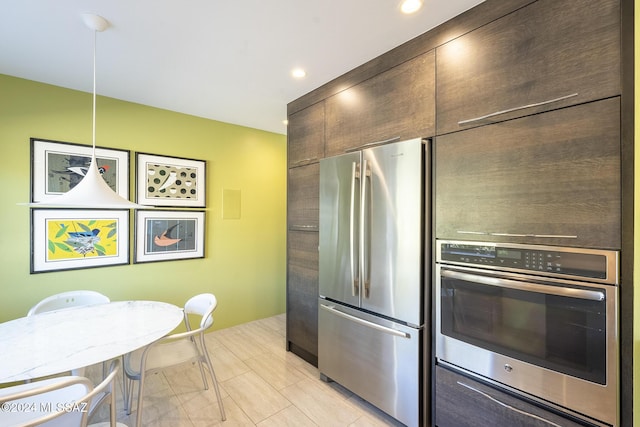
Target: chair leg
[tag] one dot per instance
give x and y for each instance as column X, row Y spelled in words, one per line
column 215, row 382
column 112, row 407
column 204, row 377
column 140, row 395
column 128, row 403
column 125, row 391
column 131, row 385
column 127, row 387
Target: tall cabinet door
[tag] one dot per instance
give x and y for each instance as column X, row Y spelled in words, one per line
column 339, row 227
column 305, row 147
column 551, row 178
column 398, row 103
column 305, row 135
column 302, row 294
column 547, row 55
column 302, row 208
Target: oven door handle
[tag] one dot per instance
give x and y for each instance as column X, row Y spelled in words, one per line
column 520, row 411
column 523, row 286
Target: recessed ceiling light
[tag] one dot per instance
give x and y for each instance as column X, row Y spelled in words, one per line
column 298, row 73
column 410, row 6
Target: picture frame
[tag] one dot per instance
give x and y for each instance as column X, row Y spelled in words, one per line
column 170, row 181
column 58, row 166
column 72, row 239
column 163, row 235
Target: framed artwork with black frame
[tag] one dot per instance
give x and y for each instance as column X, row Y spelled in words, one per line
column 162, row 235
column 71, row 239
column 170, row 181
column 57, row 167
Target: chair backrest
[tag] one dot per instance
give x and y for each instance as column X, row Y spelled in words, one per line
column 104, row 391
column 68, row 300
column 34, row 403
column 202, row 305
column 58, row 402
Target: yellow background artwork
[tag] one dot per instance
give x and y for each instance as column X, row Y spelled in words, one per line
column 73, row 238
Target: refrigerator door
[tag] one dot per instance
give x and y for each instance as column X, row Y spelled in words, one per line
column 375, row 358
column 339, row 276
column 392, row 201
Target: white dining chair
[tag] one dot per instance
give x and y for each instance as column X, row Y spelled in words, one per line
column 69, row 401
column 68, row 300
column 173, row 350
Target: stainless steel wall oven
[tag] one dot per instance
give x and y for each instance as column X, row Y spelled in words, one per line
column 539, row 320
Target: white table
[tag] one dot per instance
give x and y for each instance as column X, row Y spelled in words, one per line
column 58, row 341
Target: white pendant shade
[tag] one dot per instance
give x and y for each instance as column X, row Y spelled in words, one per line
column 92, row 191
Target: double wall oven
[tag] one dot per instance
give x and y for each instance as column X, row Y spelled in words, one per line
column 539, row 321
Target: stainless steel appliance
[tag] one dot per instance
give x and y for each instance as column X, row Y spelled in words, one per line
column 370, row 319
column 541, row 321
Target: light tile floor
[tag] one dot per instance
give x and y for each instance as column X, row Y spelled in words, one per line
column 261, row 385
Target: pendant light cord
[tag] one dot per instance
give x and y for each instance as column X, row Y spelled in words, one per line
column 93, row 134
column 92, row 192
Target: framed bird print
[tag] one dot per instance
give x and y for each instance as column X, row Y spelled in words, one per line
column 69, row 239
column 168, row 235
column 170, row 181
column 57, row 167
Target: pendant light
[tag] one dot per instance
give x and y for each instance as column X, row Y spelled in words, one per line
column 92, row 191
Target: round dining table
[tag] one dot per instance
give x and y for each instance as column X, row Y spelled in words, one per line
column 58, row 341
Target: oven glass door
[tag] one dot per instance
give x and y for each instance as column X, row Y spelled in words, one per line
column 557, row 327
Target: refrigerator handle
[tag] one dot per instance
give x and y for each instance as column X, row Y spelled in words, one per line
column 355, row 175
column 365, row 175
column 363, row 322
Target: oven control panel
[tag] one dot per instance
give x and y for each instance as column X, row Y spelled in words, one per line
column 549, row 260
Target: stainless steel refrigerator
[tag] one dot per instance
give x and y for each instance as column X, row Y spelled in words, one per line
column 371, row 252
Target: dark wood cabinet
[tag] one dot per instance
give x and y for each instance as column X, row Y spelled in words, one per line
column 302, row 294
column 305, row 138
column 305, row 135
column 399, row 103
column 302, row 261
column 551, row 178
column 552, row 52
column 304, row 197
column 464, row 402
column 546, row 169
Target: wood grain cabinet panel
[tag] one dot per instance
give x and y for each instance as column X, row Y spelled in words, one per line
column 463, row 402
column 302, row 261
column 397, row 103
column 302, row 294
column 551, row 178
column 547, row 50
column 305, row 135
column 303, row 210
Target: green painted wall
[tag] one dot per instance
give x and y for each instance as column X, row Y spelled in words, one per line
column 245, row 264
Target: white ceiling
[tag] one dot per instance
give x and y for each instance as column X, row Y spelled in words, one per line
column 227, row 60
